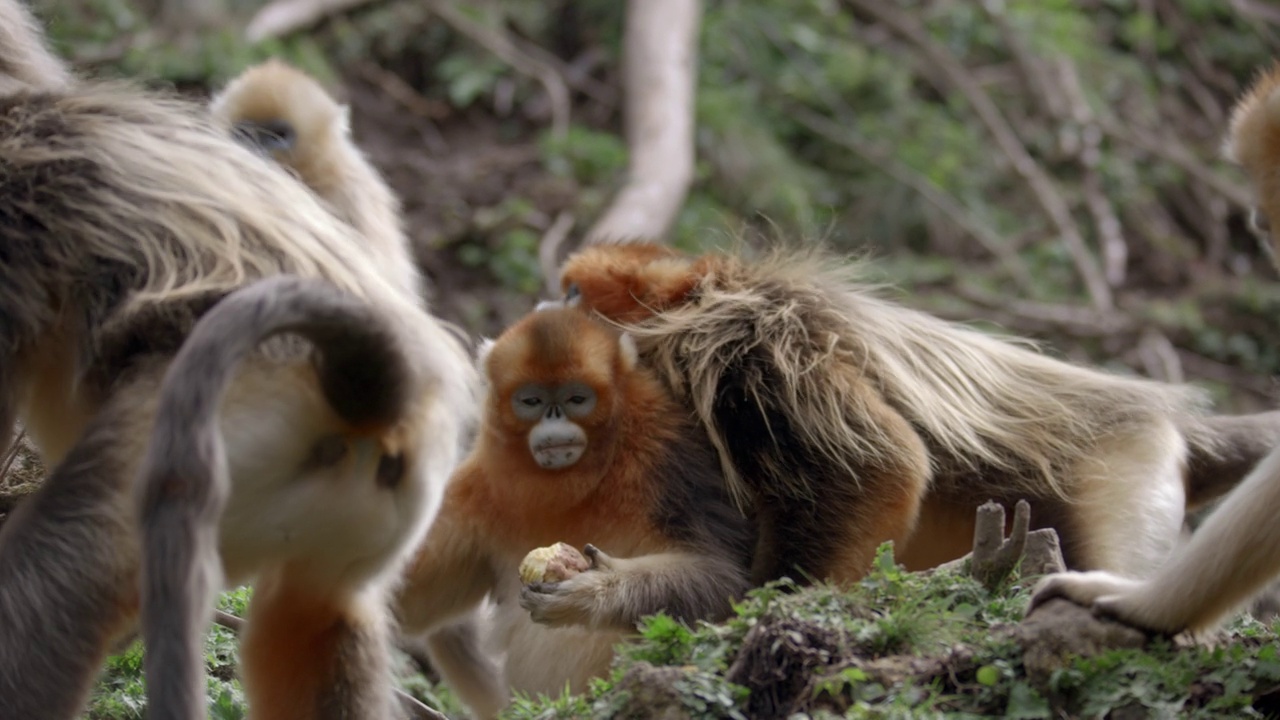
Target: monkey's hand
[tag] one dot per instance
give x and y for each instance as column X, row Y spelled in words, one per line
column 1108, row 595
column 584, row 599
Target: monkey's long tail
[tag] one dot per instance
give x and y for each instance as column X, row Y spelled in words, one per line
column 184, row 482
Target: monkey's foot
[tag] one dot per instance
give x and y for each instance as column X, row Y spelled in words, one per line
column 1107, row 596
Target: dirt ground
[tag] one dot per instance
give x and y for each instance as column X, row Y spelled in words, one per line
column 449, row 173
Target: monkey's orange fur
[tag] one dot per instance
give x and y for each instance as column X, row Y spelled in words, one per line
column 608, row 493
column 634, row 280
column 646, row 490
column 289, row 647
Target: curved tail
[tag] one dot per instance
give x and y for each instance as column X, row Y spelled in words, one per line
column 363, row 369
column 1224, row 449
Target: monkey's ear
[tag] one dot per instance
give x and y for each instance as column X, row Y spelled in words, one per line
column 627, row 347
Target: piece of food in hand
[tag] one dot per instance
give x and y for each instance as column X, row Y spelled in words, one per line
column 552, row 564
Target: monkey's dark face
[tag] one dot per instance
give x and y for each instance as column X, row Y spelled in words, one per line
column 556, row 440
column 273, row 138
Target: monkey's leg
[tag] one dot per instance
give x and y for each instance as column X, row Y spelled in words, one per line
column 616, row 592
column 1130, row 500
column 304, row 656
column 835, row 536
column 1232, row 556
column 822, row 506
column 456, row 652
column 68, row 574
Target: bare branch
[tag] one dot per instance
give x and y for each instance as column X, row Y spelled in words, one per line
column 283, row 17
column 1050, row 200
column 660, row 51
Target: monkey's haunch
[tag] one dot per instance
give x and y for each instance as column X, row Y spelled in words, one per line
column 184, row 479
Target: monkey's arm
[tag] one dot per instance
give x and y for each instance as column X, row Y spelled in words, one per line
column 449, row 576
column 616, row 592
column 1229, row 559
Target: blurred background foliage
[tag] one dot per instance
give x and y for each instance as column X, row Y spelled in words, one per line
column 1050, row 167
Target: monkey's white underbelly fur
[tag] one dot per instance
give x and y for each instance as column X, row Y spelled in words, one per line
column 541, row 659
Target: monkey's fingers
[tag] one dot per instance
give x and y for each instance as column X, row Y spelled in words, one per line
column 1081, row 588
column 600, row 560
column 543, row 602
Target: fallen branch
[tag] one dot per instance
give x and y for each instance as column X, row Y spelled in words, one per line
column 660, row 54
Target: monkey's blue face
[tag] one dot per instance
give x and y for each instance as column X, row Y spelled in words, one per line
column 556, row 440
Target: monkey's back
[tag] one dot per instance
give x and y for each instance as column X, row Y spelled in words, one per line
column 123, row 210
column 778, row 357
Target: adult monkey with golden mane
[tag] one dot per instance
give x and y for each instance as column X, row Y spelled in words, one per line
column 846, row 420
column 1235, row 553
column 124, row 217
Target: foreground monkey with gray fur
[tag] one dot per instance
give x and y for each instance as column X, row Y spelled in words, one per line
column 1235, row 553
column 124, row 217
column 286, row 115
column 184, row 485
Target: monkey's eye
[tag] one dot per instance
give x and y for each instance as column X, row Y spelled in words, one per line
column 572, row 295
column 577, row 398
column 527, row 401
